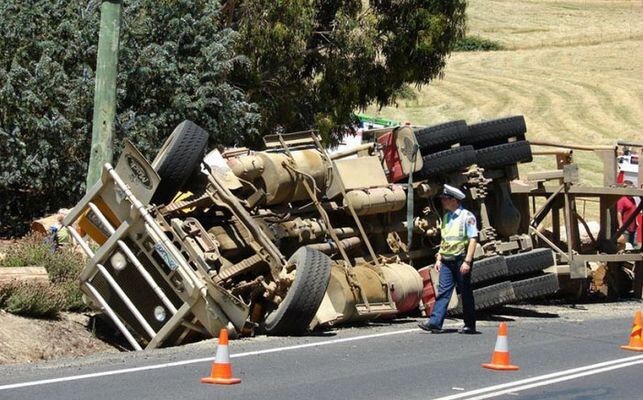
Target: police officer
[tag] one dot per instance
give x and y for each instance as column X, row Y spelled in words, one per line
column 453, row 262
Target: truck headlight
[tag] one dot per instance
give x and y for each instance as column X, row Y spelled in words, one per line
column 118, row 260
column 159, row 313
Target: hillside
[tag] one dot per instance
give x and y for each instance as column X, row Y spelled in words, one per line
column 573, row 68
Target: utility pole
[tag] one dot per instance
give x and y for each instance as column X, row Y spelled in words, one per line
column 105, row 90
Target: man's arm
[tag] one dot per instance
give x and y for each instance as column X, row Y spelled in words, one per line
column 471, row 228
column 621, row 205
column 468, row 258
column 619, row 213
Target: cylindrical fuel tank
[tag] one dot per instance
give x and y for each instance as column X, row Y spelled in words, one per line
column 376, row 201
column 342, row 296
column 283, row 185
column 405, row 284
column 248, row 167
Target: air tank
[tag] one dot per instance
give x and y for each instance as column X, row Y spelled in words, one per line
column 376, row 201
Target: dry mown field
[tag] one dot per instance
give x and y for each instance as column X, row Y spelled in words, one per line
column 573, row 68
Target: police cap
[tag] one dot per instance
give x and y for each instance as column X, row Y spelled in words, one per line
column 452, row 192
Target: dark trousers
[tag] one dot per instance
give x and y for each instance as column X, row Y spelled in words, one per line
column 450, row 277
column 630, row 237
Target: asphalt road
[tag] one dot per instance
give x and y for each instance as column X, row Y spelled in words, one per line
column 562, row 353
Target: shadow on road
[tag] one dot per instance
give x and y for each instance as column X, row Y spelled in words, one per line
column 506, row 312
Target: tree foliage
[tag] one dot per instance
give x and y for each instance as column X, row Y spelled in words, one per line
column 476, row 43
column 173, row 65
column 306, row 64
column 314, row 62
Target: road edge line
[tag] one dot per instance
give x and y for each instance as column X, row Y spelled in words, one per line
column 199, row 360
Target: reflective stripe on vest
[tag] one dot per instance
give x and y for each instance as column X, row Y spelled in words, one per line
column 454, row 235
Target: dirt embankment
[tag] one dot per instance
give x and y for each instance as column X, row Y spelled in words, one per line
column 24, row 340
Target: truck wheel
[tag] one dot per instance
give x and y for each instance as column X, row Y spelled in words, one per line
column 296, row 311
column 529, row 262
column 490, row 296
column 494, row 295
column 448, row 160
column 495, row 131
column 504, row 154
column 536, row 287
column 440, row 137
column 488, row 268
column 178, row 159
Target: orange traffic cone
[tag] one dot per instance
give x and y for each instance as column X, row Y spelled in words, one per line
column 500, row 358
column 636, row 340
column 221, row 368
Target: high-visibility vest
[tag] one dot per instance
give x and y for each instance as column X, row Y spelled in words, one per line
column 63, row 236
column 454, row 234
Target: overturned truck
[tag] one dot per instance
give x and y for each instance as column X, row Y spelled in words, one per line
column 295, row 237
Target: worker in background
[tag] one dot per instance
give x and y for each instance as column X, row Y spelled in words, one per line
column 454, row 260
column 59, row 234
column 625, row 207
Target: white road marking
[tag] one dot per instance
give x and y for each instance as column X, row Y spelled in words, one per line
column 551, row 381
column 199, row 360
column 511, row 387
column 560, row 376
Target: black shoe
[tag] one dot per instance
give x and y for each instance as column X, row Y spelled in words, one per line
column 468, row 331
column 430, row 328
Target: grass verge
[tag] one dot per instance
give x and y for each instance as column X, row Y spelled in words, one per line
column 38, row 299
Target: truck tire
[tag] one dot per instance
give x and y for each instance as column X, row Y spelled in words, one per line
column 448, row 160
column 494, row 295
column 489, row 296
column 504, row 154
column 488, row 269
column 529, row 262
column 440, row 137
column 178, row 159
column 495, row 131
column 298, row 308
column 536, row 287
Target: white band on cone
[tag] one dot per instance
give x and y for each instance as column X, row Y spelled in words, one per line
column 501, row 344
column 223, row 356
